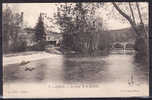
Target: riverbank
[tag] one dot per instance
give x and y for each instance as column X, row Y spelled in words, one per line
column 18, row 58
column 28, row 56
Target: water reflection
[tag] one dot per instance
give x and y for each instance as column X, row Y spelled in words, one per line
column 116, row 67
column 83, row 69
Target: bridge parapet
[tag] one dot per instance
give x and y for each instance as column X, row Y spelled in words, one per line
column 123, row 45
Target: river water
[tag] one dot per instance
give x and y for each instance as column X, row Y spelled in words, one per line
column 118, row 68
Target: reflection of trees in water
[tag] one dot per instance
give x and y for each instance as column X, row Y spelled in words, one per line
column 142, row 57
column 40, row 73
column 10, row 74
column 17, row 73
column 141, row 68
column 82, row 71
column 92, row 70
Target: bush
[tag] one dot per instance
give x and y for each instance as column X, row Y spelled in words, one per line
column 22, row 46
column 38, row 47
column 18, row 46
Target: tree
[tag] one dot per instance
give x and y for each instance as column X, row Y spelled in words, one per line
column 79, row 26
column 7, row 13
column 127, row 17
column 141, row 40
column 40, row 34
column 12, row 30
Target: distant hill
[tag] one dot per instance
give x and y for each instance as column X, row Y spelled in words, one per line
column 126, row 34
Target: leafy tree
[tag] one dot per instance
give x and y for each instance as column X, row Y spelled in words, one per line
column 40, row 34
column 12, row 29
column 79, row 26
column 7, row 13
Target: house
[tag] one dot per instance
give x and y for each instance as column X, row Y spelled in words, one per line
column 53, row 38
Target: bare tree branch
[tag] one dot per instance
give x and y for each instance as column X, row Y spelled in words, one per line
column 132, row 13
column 141, row 21
column 126, row 16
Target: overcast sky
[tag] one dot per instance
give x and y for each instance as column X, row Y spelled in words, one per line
column 32, row 11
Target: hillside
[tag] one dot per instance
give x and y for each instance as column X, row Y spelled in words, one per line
column 125, row 34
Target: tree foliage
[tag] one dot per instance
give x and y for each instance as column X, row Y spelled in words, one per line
column 40, row 34
column 40, row 30
column 12, row 31
column 80, row 27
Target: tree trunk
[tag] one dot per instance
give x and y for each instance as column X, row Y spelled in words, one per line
column 132, row 13
column 141, row 21
column 141, row 45
column 133, row 24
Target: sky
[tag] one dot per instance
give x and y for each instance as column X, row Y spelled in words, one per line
column 33, row 10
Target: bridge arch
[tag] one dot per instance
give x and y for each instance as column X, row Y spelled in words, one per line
column 122, row 45
column 129, row 46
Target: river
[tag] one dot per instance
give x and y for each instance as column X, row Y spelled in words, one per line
column 117, row 68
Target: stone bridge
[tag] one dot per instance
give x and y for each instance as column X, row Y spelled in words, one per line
column 123, row 45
